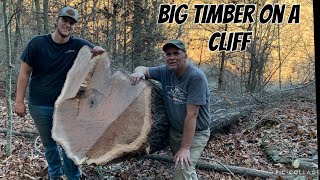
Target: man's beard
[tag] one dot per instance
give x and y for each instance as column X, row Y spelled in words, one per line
column 62, row 35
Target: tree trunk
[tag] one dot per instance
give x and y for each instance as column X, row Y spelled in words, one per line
column 95, row 36
column 221, row 85
column 180, row 31
column 109, row 15
column 114, row 29
column 38, row 19
column 17, row 38
column 8, row 80
column 124, row 60
column 252, row 81
column 151, row 35
column 45, row 16
column 83, row 12
column 137, row 35
column 243, row 65
column 279, row 56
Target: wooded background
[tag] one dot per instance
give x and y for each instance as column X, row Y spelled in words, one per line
column 278, row 56
column 278, row 61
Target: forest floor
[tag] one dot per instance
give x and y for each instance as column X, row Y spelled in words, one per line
column 288, row 127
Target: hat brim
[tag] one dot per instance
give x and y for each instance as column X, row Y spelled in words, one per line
column 70, row 18
column 166, row 46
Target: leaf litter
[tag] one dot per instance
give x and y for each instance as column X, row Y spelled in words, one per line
column 287, row 128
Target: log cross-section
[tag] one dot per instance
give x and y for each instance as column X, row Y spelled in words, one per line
column 100, row 116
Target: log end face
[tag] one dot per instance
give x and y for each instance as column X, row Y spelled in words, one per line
column 127, row 134
column 87, row 120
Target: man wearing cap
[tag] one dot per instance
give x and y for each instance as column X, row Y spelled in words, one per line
column 48, row 58
column 187, row 99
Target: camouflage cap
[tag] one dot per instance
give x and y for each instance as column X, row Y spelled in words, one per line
column 69, row 12
column 174, row 43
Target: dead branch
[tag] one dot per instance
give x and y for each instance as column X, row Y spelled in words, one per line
column 261, row 121
column 289, row 89
column 16, row 133
column 304, row 164
column 219, row 167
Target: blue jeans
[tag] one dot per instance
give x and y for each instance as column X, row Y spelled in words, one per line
column 42, row 117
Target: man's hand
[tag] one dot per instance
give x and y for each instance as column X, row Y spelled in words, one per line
column 182, row 157
column 135, row 77
column 97, row 50
column 20, row 109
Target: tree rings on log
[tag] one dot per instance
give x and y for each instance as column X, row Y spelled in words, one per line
column 100, row 116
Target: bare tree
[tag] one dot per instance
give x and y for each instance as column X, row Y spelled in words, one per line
column 38, row 19
column 125, row 35
column 17, row 39
column 8, row 79
column 221, row 72
column 114, row 27
column 137, row 40
column 45, row 16
column 279, row 55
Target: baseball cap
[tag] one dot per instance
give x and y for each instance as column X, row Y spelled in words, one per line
column 69, row 12
column 175, row 43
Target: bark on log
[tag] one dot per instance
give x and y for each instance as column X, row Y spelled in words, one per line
column 158, row 138
column 104, row 117
column 222, row 119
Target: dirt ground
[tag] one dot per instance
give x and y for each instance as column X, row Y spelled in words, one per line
column 288, row 128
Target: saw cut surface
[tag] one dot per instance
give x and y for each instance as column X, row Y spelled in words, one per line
column 100, row 116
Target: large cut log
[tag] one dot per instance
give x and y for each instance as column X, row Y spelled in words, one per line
column 99, row 116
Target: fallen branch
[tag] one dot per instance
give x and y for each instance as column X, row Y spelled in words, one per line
column 31, row 132
column 304, row 164
column 17, row 133
column 36, row 146
column 288, row 89
column 273, row 155
column 219, row 167
column 223, row 166
column 261, row 121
